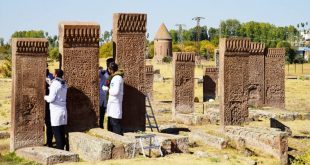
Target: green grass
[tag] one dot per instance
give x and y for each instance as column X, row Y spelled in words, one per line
column 12, row 159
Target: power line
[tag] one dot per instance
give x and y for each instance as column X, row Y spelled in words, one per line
column 197, row 19
column 180, row 36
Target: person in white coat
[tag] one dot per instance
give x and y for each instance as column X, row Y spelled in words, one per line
column 115, row 99
column 58, row 111
column 103, row 76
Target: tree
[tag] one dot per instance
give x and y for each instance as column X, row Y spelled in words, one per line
column 29, row 34
column 54, row 53
column 6, row 67
column 106, row 50
column 207, row 48
column 230, row 27
column 290, row 53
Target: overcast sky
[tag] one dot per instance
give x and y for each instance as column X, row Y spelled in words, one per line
column 16, row 15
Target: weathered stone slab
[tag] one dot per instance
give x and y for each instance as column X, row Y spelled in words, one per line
column 47, row 155
column 210, row 83
column 28, row 90
column 213, row 115
column 207, row 139
column 90, row 148
column 275, row 77
column 4, row 135
column 169, row 143
column 183, row 82
column 149, row 78
column 79, row 47
column 234, row 78
column 190, row 119
column 256, row 68
column 129, row 51
column 123, row 146
column 268, row 140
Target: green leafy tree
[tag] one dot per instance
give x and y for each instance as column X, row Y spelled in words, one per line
column 290, row 53
column 106, row 50
column 29, row 34
column 6, row 67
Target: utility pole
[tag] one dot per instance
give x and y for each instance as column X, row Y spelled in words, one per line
column 197, row 19
column 180, row 36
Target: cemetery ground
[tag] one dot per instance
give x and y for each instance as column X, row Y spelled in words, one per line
column 297, row 93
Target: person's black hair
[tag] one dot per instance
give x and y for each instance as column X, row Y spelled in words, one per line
column 109, row 60
column 59, row 73
column 113, row 66
column 47, row 72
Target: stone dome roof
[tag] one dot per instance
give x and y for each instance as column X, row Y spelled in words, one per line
column 163, row 33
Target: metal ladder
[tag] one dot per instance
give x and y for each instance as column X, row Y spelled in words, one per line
column 152, row 144
column 152, row 116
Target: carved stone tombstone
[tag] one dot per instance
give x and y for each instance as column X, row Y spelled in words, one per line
column 129, row 51
column 28, row 105
column 274, row 77
column 79, row 47
column 256, row 74
column 234, row 76
column 210, row 79
column 149, row 78
column 183, row 82
column 216, row 57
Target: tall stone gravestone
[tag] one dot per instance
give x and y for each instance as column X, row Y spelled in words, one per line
column 274, row 77
column 216, row 57
column 129, row 51
column 234, row 76
column 79, row 47
column 210, row 79
column 28, row 105
column 149, row 78
column 183, row 82
column 256, row 74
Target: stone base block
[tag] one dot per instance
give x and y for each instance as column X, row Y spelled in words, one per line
column 190, row 119
column 46, row 155
column 212, row 115
column 123, row 146
column 207, row 139
column 90, row 148
column 268, row 140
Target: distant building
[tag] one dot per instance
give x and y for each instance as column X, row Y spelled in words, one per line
column 162, row 43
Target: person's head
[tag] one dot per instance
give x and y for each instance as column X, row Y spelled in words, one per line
column 59, row 73
column 109, row 60
column 113, row 67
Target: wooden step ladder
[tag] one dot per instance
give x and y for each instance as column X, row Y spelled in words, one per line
column 150, row 115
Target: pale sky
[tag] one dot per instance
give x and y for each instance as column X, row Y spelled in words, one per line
column 17, row 15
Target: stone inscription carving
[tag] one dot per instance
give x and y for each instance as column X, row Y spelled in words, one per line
column 274, row 77
column 256, row 74
column 128, row 51
column 149, row 77
column 183, row 82
column 79, row 46
column 210, row 83
column 234, row 77
column 28, row 105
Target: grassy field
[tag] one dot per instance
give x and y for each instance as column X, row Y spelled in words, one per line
column 297, row 99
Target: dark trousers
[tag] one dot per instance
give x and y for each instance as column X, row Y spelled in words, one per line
column 101, row 118
column 59, row 133
column 49, row 134
column 49, row 131
column 114, row 125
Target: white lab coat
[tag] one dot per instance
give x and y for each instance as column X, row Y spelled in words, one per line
column 57, row 99
column 115, row 101
column 103, row 94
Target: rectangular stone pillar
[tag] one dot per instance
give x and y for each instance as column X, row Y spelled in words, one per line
column 149, row 78
column 216, row 57
column 129, row 51
column 183, row 82
column 28, row 90
column 79, row 47
column 234, row 76
column 210, row 79
column 275, row 78
column 256, row 67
